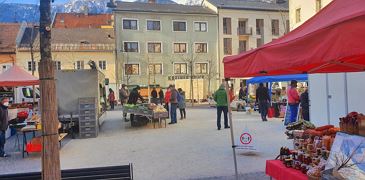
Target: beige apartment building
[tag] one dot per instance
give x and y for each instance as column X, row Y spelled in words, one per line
column 302, row 10
column 245, row 25
column 162, row 44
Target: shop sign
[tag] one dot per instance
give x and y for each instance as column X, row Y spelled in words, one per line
column 246, row 141
column 177, row 77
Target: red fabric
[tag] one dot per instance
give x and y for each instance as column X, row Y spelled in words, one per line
column 15, row 76
column 111, row 97
column 231, row 96
column 331, row 41
column 293, row 96
column 277, row 170
column 167, row 96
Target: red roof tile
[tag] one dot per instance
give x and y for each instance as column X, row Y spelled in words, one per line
column 79, row 20
column 8, row 34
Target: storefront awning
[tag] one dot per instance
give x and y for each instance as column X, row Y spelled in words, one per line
column 15, row 76
column 331, row 41
column 266, row 79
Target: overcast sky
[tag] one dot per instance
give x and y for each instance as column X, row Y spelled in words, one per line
column 60, row 1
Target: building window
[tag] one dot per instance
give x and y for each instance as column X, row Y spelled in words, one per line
column 297, row 15
column 79, row 65
column 200, row 26
column 227, row 29
column 227, row 46
column 180, row 68
column 242, row 27
column 131, row 47
column 275, row 27
column 201, row 47
column 179, row 25
column 242, row 46
column 31, row 66
column 287, row 26
column 180, row 47
column 102, row 65
column 130, row 24
column 155, row 69
column 58, row 65
column 259, row 26
column 318, row 5
column 259, row 42
column 153, row 25
column 201, row 68
column 154, row 47
column 131, row 69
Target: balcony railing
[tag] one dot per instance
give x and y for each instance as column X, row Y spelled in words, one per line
column 244, row 31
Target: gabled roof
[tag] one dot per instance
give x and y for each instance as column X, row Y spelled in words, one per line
column 257, row 5
column 80, row 20
column 72, row 39
column 8, row 34
column 161, row 8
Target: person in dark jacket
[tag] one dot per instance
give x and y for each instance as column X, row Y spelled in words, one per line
column 111, row 98
column 4, row 118
column 161, row 96
column 133, row 98
column 263, row 99
column 173, row 103
column 304, row 103
column 242, row 93
column 182, row 104
column 154, row 96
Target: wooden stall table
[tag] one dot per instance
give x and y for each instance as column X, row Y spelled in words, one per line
column 28, row 129
column 277, row 170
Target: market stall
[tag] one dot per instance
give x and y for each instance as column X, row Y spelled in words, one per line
column 329, row 42
column 154, row 113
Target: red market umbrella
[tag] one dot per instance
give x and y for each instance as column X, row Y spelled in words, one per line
column 15, row 76
column 331, row 41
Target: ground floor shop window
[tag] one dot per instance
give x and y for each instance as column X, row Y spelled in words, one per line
column 131, row 69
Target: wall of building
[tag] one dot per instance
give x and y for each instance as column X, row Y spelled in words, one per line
column 307, row 9
column 167, row 57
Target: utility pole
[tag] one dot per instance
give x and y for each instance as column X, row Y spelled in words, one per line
column 33, row 63
column 50, row 151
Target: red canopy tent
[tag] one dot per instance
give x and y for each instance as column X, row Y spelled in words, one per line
column 15, row 76
column 331, row 41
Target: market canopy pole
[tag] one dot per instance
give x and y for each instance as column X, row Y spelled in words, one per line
column 50, row 151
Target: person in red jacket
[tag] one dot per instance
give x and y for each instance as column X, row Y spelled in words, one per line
column 293, row 101
column 167, row 100
column 111, row 98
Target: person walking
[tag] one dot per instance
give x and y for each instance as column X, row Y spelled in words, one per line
column 304, row 103
column 123, row 96
column 111, row 98
column 173, row 104
column 293, row 101
column 161, row 96
column 220, row 97
column 263, row 99
column 182, row 104
column 133, row 98
column 167, row 100
column 4, row 118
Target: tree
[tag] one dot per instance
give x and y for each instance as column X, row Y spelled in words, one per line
column 211, row 73
column 50, row 151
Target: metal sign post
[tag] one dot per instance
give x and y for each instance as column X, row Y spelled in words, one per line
column 231, row 124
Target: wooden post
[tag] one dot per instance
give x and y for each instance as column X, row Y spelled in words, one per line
column 50, row 150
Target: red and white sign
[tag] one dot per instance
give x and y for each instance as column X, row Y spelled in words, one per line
column 246, row 141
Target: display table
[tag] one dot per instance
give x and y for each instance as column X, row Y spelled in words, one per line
column 277, row 170
column 149, row 114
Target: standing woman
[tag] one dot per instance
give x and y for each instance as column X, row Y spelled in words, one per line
column 111, row 98
column 161, row 96
column 182, row 104
column 293, row 101
column 167, row 99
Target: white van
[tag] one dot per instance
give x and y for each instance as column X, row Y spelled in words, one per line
column 25, row 94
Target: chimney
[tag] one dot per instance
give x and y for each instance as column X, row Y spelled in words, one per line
column 152, row 1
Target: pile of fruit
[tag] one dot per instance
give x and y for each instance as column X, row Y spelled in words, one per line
column 159, row 109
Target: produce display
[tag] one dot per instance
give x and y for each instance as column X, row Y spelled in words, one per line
column 156, row 111
column 312, row 148
column 18, row 106
column 293, row 129
column 353, row 123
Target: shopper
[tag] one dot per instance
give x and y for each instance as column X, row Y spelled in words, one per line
column 154, row 96
column 231, row 95
column 111, row 98
column 133, row 98
column 220, row 97
column 182, row 104
column 293, row 101
column 4, row 118
column 123, row 96
column 173, row 104
column 167, row 99
column 242, row 93
column 263, row 99
column 161, row 96
column 304, row 103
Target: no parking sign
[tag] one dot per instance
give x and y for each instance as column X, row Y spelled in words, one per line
column 246, row 141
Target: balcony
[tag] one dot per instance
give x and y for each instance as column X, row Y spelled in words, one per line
column 241, row 31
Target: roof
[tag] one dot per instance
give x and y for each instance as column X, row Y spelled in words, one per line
column 8, row 34
column 161, row 8
column 258, row 5
column 72, row 39
column 80, row 20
